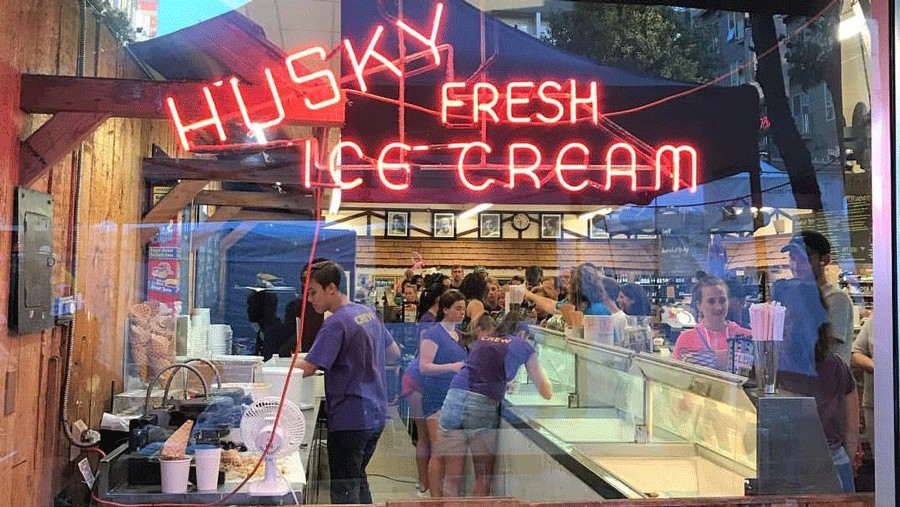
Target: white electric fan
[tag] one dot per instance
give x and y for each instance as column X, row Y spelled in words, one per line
column 257, row 426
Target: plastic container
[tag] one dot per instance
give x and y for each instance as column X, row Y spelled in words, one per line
column 245, row 369
column 300, row 391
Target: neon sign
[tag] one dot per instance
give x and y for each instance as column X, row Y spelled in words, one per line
column 526, row 103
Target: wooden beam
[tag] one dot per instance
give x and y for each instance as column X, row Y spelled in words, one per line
column 233, row 237
column 55, row 139
column 135, row 98
column 269, row 216
column 284, row 171
column 170, row 205
column 224, row 213
column 228, row 198
column 209, row 228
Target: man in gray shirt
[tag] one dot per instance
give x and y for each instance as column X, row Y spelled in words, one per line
column 809, row 253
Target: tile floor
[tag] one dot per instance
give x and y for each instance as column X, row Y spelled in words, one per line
column 392, row 471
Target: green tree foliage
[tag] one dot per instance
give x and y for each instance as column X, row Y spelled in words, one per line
column 654, row 40
column 118, row 22
column 808, row 53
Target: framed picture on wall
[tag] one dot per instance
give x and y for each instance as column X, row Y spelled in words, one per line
column 443, row 225
column 397, row 225
column 597, row 227
column 489, row 226
column 551, row 226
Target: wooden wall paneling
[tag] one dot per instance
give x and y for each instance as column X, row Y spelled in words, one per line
column 130, row 270
column 9, row 103
column 91, row 54
column 39, row 54
column 124, row 193
column 109, row 49
column 631, row 255
column 104, row 223
column 30, row 443
column 68, row 27
column 54, row 459
column 85, row 328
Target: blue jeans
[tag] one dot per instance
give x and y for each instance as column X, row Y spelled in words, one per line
column 844, row 468
column 469, row 412
column 349, row 453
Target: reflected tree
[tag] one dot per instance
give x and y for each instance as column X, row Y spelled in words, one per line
column 793, row 149
column 656, row 40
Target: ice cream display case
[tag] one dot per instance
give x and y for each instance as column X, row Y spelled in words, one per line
column 626, row 424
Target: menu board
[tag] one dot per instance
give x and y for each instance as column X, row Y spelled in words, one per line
column 850, row 232
column 683, row 255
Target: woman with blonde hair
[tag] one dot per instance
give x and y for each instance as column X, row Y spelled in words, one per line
column 470, row 416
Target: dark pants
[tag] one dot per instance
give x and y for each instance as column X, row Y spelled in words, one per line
column 349, row 453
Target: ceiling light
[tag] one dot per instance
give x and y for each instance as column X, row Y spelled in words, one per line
column 854, row 25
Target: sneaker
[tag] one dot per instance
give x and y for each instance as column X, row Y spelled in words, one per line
column 423, row 494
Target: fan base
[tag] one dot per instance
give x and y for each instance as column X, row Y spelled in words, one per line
column 278, row 486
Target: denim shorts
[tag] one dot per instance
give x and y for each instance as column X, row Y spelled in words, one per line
column 469, row 412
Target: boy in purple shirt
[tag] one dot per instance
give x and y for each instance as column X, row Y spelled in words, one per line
column 351, row 347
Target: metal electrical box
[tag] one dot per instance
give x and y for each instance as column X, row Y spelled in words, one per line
column 32, row 262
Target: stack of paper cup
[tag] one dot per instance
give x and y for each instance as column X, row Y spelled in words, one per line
column 219, row 339
column 198, row 339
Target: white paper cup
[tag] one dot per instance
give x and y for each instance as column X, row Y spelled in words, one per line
column 174, row 474
column 206, row 462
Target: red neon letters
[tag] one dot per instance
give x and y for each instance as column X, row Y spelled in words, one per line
column 523, row 163
column 525, row 102
column 573, row 167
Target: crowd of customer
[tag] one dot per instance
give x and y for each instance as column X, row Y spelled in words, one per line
column 472, row 342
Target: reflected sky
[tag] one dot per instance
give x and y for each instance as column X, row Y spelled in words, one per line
column 177, row 14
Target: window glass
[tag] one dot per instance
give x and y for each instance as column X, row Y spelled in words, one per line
column 624, row 250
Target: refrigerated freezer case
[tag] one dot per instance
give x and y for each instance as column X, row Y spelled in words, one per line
column 633, row 425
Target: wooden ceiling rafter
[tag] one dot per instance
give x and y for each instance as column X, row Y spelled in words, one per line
column 239, row 171
column 138, row 98
column 287, row 201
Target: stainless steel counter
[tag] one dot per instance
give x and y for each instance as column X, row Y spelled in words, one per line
column 113, row 486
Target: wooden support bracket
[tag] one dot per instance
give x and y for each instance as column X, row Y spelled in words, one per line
column 52, row 141
column 170, row 205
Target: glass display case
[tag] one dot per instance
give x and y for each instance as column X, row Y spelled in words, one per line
column 626, row 424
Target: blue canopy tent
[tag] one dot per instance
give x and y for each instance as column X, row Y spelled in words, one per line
column 280, row 249
column 776, row 190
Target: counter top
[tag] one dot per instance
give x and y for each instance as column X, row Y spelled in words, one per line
column 112, row 479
